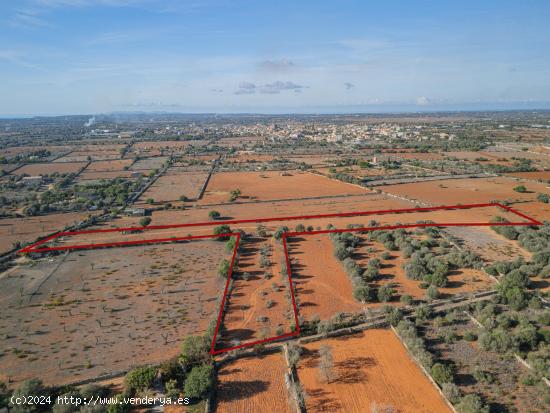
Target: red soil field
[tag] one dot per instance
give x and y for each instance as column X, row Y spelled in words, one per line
column 428, row 156
column 50, row 168
column 322, row 287
column 371, row 369
column 538, row 175
column 107, row 166
column 18, row 150
column 453, row 191
column 94, row 312
column 88, row 176
column 244, row 157
column 492, row 157
column 170, row 187
column 473, row 215
column 82, row 156
column 253, row 384
column 460, row 281
column 29, row 228
column 149, row 164
column 273, row 185
column 165, row 144
column 250, row 297
column 535, row 209
column 239, row 140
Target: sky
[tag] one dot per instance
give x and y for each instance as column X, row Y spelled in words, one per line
column 300, row 56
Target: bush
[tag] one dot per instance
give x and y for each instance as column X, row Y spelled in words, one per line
column 470, row 336
column 222, row 229
column 145, row 221
column 223, row 268
column 362, row 293
column 199, row 381
column 543, row 198
column 451, row 392
column 32, row 387
column 442, row 373
column 432, row 293
column 406, row 299
column 214, row 214
column 278, row 235
column 385, row 293
column 471, row 403
column 194, row 350
column 139, row 379
column 520, row 188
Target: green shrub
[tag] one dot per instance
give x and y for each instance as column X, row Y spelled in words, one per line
column 199, row 381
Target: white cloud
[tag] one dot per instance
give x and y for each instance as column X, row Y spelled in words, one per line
column 280, row 65
column 422, row 101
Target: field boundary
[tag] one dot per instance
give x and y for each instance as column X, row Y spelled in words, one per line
column 34, row 248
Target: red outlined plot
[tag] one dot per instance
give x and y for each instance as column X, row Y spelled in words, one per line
column 36, row 247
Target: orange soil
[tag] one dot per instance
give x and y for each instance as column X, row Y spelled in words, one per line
column 418, row 155
column 248, row 299
column 322, row 287
column 370, row 368
column 85, row 176
column 254, row 384
column 460, row 281
column 149, row 164
column 535, row 209
column 108, row 166
column 18, row 150
column 239, row 140
column 272, row 185
column 29, row 228
column 165, row 144
column 170, row 187
column 118, row 306
column 538, row 175
column 50, row 168
column 268, row 209
column 81, row 156
column 477, row 190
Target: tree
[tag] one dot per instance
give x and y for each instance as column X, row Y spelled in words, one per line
column 199, row 381
column 326, row 363
column 171, row 389
column 222, row 229
column 362, row 293
column 471, row 403
column 279, row 233
column 28, row 388
column 385, row 293
column 300, row 228
column 432, row 293
column 294, row 352
column 234, row 194
column 4, row 395
column 183, row 198
column 139, row 379
column 193, row 350
column 145, row 221
column 214, row 214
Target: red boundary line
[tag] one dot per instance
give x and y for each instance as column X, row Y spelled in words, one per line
column 213, row 351
column 32, row 247
column 296, row 331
